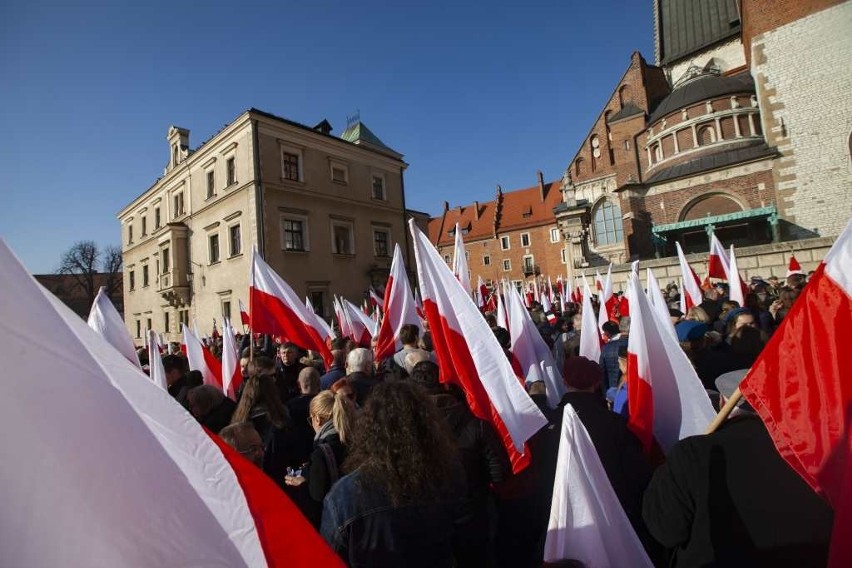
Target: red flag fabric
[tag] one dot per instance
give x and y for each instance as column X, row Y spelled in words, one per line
column 277, row 310
column 398, row 306
column 200, row 358
column 244, row 315
column 717, row 261
column 375, row 299
column 801, row 385
column 470, row 356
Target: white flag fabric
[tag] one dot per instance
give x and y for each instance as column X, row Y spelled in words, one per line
column 319, row 322
column 735, row 285
column 231, row 372
column 460, row 261
column 690, row 290
column 200, row 359
column 342, row 315
column 155, row 362
column 398, row 306
column 718, row 262
column 587, row 522
column 606, row 299
column 502, row 319
column 658, row 303
column 111, row 470
column 590, row 339
column 105, row 319
column 531, row 351
column 361, row 323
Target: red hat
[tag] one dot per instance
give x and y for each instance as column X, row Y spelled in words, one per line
column 794, row 267
column 582, row 373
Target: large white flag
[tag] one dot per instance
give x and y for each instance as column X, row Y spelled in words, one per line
column 232, row 375
column 590, row 339
column 155, row 362
column 105, row 319
column 460, row 261
column 398, row 307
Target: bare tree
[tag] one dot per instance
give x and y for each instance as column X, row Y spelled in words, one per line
column 82, row 261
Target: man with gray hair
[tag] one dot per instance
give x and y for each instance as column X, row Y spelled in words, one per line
column 244, row 438
column 210, row 407
column 359, row 371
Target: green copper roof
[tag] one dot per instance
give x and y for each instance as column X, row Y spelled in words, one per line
column 358, row 133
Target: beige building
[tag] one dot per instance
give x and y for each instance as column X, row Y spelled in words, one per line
column 324, row 211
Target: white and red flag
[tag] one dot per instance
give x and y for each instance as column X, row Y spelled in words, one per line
column 544, row 298
column 460, row 261
column 717, row 262
column 794, row 267
column 156, row 371
column 483, row 292
column 533, row 354
column 801, row 386
column 470, row 356
column 502, row 317
column 342, row 315
column 106, row 321
column 375, row 299
column 169, row 494
column 418, row 304
column 363, row 326
column 232, row 376
column 244, row 315
column 277, row 310
column 590, row 337
column 658, row 303
column 666, row 399
column 587, row 522
column 737, row 289
column 691, row 287
column 560, row 289
column 201, row 359
column 607, row 300
column 320, row 323
column 398, row 306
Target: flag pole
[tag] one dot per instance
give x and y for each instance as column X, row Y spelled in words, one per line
column 725, row 411
column 251, row 308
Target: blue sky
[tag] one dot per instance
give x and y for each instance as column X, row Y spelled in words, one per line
column 474, row 94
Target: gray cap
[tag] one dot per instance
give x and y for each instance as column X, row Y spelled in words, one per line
column 727, row 383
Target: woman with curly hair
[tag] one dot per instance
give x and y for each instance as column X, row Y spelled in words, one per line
column 403, row 498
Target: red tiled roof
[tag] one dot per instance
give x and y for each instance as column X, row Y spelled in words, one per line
column 518, row 209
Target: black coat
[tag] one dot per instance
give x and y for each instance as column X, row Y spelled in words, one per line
column 220, row 416
column 303, row 432
column 362, row 384
column 729, row 499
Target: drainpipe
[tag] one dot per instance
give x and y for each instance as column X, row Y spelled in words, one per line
column 258, row 192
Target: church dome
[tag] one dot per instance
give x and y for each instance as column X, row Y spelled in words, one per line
column 699, row 85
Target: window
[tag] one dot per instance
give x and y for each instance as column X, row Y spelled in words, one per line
column 339, row 173
column 507, row 264
column 294, row 233
column 379, row 187
column 657, row 153
column 609, row 229
column 166, row 261
column 447, row 259
column 157, row 220
column 226, row 310
column 138, row 329
column 562, row 256
column 183, row 317
column 149, row 326
column 342, row 238
column 554, row 235
column 213, row 248
column 145, row 276
column 144, row 226
column 231, row 169
column 579, row 167
column 166, row 322
column 177, row 200
column 130, row 234
column 318, row 302
column 132, row 280
column 706, row 135
column 290, row 166
column 525, row 239
column 235, row 240
column 529, row 265
column 504, row 243
column 486, row 260
column 211, row 184
column 381, row 242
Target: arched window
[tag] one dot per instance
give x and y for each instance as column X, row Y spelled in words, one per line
column 706, row 135
column 607, row 220
column 579, row 167
column 657, row 153
column 624, row 95
column 595, row 144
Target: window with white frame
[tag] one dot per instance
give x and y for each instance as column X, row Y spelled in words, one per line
column 177, row 204
column 378, row 187
column 608, row 227
column 211, row 183
column 529, row 264
column 144, row 225
column 507, row 264
column 157, row 220
column 554, row 235
column 519, row 286
column 381, row 242
column 130, row 233
column 339, row 172
column 213, row 248
column 342, row 237
column 525, row 239
column 563, row 256
column 235, row 240
column 291, row 164
column 166, row 254
column 294, row 233
column 486, row 260
column 504, row 243
column 231, row 171
column 145, row 276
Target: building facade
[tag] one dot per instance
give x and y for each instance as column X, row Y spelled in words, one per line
column 324, row 211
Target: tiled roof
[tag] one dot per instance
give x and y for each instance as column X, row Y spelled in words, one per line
column 518, row 209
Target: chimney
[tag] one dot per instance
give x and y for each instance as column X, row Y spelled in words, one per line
column 476, row 209
column 446, row 206
column 540, row 185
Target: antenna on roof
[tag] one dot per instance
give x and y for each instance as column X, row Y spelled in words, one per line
column 354, row 119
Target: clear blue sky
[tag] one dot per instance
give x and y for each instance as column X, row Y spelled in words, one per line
column 474, row 94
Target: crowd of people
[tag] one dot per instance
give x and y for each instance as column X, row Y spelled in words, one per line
column 393, row 469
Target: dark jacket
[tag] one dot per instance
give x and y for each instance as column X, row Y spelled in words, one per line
column 729, row 499
column 179, row 390
column 302, row 431
column 362, row 384
column 220, row 416
column 333, row 375
column 609, row 361
column 279, row 445
column 365, row 529
column 287, row 379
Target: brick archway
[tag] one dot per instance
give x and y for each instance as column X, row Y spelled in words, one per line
column 711, row 204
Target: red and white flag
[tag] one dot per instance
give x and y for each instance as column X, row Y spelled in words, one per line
column 717, row 262
column 375, row 299
column 560, row 289
column 544, row 298
column 483, row 292
column 470, row 356
column 156, row 371
column 658, row 303
column 587, row 522
column 607, row 300
column 320, row 323
column 590, row 337
column 342, row 315
column 244, row 315
column 277, row 310
column 363, row 326
column 172, row 495
column 398, row 306
column 460, row 261
column 502, row 317
column 232, row 376
column 801, row 386
column 418, row 304
column 666, row 399
column 794, row 267
column 201, row 359
column 106, row 321
column 691, row 286
column 531, row 351
column 736, row 287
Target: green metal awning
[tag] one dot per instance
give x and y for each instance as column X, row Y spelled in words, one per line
column 771, row 212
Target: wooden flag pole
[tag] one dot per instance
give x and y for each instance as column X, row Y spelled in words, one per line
column 725, row 411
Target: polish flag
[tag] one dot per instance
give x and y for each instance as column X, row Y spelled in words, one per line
column 398, row 306
column 172, row 495
column 560, row 289
column 244, row 315
column 658, row 303
column 106, row 321
column 460, row 261
column 363, row 326
column 156, row 371
column 277, row 310
column 483, row 291
column 666, row 399
column 200, row 358
column 598, row 282
column 470, row 356
column 590, row 337
column 800, row 386
column 545, row 300
column 375, row 299
column 607, row 300
column 342, row 316
column 418, row 304
column 502, row 317
column 718, row 263
column 232, row 376
column 794, row 267
column 532, row 353
column 736, row 287
column 587, row 522
column 691, row 288
column 319, row 322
